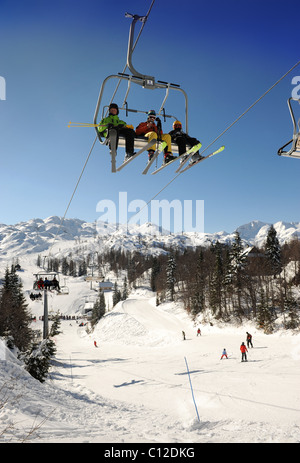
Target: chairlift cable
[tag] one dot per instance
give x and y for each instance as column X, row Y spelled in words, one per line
column 253, row 104
column 72, row 196
column 219, row 136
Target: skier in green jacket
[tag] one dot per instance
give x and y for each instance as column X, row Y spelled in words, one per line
column 112, row 121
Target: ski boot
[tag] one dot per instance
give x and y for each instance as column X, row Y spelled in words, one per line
column 150, row 154
column 196, row 157
column 128, row 156
column 183, row 158
column 168, row 157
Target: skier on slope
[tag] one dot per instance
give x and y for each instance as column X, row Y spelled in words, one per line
column 183, row 140
column 244, row 349
column 249, row 339
column 224, row 354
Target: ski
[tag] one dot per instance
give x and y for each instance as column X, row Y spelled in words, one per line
column 113, row 148
column 192, row 150
column 160, row 148
column 125, row 163
column 203, row 159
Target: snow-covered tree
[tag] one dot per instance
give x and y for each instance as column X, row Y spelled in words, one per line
column 54, row 330
column 235, row 268
column 37, row 359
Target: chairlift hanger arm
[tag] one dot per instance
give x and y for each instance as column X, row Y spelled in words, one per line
column 149, row 80
column 292, row 112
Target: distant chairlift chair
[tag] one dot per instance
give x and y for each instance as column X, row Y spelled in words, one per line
column 50, row 276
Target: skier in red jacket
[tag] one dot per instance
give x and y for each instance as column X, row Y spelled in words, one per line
column 244, row 349
column 150, row 130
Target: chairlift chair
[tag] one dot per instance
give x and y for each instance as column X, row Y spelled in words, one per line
column 145, row 81
column 50, row 276
column 294, row 151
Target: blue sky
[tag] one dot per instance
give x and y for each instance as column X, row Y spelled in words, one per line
column 54, row 57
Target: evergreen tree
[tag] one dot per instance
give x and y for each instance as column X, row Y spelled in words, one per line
column 14, row 316
column 54, row 331
column 131, row 269
column 216, row 283
column 99, row 309
column 116, row 294
column 82, row 268
column 291, row 312
column 264, row 316
column 198, row 294
column 65, row 267
column 72, row 268
column 125, row 290
column 37, row 359
column 273, row 251
column 155, row 270
column 171, row 269
column 235, row 271
column 237, row 256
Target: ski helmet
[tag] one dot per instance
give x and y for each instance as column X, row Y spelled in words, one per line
column 114, row 105
column 177, row 125
column 151, row 113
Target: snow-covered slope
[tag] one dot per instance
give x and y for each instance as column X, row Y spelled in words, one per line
column 39, row 235
column 135, row 386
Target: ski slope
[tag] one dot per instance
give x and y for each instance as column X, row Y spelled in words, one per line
column 134, row 386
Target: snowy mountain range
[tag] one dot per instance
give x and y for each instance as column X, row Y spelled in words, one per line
column 39, row 235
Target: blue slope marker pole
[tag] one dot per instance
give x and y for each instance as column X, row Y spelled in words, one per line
column 187, row 367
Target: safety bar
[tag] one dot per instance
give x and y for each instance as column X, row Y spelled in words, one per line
column 139, row 81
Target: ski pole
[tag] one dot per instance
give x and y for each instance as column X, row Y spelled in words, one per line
column 85, row 124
